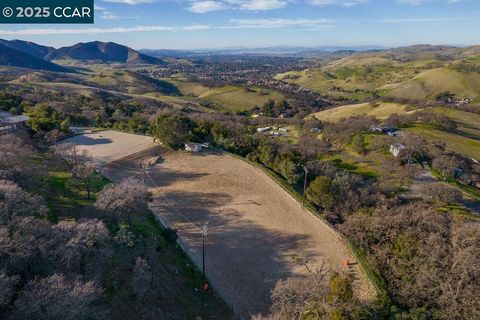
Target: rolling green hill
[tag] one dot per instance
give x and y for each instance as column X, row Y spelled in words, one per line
column 417, row 72
column 430, row 83
column 380, row 110
column 233, row 98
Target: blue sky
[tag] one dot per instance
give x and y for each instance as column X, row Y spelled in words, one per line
column 192, row 24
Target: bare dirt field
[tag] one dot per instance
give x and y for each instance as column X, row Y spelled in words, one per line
column 109, row 145
column 258, row 233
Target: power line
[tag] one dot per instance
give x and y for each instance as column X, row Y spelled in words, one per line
column 165, row 197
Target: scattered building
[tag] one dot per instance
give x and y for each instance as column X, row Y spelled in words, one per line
column 396, row 134
column 193, row 147
column 283, row 130
column 10, row 123
column 396, row 149
column 382, row 129
column 265, row 129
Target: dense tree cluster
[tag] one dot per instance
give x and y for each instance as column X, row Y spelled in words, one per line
column 70, row 268
column 312, row 297
column 430, row 259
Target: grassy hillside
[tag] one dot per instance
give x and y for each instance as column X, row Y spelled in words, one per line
column 418, row 72
column 131, row 82
column 454, row 141
column 380, row 110
column 464, row 140
column 227, row 97
column 430, row 83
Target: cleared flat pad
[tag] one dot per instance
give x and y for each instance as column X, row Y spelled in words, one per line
column 108, row 146
column 258, row 233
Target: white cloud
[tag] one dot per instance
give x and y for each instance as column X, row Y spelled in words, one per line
column 262, row 5
column 196, row 27
column 342, row 3
column 420, row 2
column 99, row 8
column 279, row 23
column 207, row 6
column 48, row 31
column 107, row 15
column 131, row 2
column 413, row 20
column 203, row 6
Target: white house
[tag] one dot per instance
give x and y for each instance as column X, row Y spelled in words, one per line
column 396, row 149
column 193, row 147
column 265, row 129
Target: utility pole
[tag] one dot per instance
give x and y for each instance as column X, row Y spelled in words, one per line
column 204, row 235
column 142, row 165
column 305, row 181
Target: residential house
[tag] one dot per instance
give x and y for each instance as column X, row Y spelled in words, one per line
column 193, row 147
column 10, row 123
column 396, row 149
column 265, row 129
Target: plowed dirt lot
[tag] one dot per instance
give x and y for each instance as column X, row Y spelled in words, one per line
column 258, row 234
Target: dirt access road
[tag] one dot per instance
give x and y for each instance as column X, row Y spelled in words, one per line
column 258, row 233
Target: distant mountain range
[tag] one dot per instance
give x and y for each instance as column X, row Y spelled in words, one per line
column 27, row 54
column 279, row 50
column 102, row 51
column 16, row 58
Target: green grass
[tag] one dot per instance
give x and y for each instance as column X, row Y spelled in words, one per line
column 67, row 196
column 471, row 191
column 455, row 142
column 429, row 83
column 233, row 98
column 467, row 122
column 380, row 110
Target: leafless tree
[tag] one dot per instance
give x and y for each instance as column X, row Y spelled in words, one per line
column 72, row 154
column 83, row 244
column 14, row 201
column 441, row 192
column 415, row 146
column 142, row 278
column 87, row 174
column 430, row 259
column 7, row 288
column 56, row 297
column 123, row 199
column 14, row 154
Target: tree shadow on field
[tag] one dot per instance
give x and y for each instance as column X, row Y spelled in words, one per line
column 164, row 177
column 244, row 261
column 88, row 141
